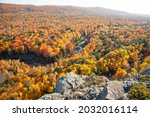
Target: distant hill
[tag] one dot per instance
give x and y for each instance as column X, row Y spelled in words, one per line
column 69, row 10
column 61, row 9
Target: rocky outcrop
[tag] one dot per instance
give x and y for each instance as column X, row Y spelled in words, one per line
column 114, row 90
column 68, row 83
column 127, row 84
column 73, row 86
column 90, row 89
column 93, row 87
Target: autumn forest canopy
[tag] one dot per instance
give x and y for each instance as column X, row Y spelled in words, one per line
column 39, row 44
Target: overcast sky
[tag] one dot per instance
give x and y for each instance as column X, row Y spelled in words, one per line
column 132, row 6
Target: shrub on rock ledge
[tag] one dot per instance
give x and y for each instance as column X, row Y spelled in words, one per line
column 139, row 92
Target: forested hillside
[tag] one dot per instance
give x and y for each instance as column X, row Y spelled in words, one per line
column 40, row 44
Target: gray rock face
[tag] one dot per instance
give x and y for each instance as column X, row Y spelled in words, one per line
column 92, row 87
column 53, row 96
column 66, row 84
column 77, row 87
column 129, row 83
column 113, row 91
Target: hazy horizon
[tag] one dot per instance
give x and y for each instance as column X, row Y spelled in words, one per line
column 134, row 6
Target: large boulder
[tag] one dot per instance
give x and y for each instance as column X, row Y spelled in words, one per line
column 114, row 90
column 68, row 83
column 91, row 88
column 77, row 87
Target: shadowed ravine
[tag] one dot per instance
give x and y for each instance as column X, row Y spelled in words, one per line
column 28, row 58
